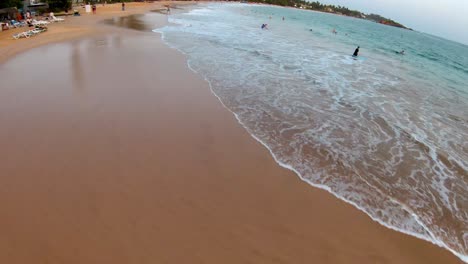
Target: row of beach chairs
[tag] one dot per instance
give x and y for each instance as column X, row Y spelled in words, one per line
column 50, row 19
column 39, row 26
column 17, row 24
column 30, row 33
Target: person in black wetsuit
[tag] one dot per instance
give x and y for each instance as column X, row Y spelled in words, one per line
column 355, row 54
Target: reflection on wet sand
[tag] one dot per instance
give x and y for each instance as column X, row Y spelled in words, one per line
column 77, row 67
column 82, row 54
column 133, row 22
column 117, row 41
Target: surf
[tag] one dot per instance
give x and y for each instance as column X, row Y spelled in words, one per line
column 382, row 132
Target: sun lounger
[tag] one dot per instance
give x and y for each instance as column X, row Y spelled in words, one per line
column 55, row 19
column 39, row 22
column 17, row 24
column 40, row 29
column 30, row 33
column 25, row 34
column 19, row 35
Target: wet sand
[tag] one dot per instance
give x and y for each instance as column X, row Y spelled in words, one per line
column 113, row 151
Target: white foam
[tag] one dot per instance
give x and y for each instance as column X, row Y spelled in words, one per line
column 346, row 95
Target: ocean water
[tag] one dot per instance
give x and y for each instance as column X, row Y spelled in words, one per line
column 387, row 133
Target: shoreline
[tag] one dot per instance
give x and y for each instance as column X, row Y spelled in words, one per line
column 256, row 232
column 431, row 239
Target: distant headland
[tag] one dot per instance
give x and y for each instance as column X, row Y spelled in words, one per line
column 339, row 10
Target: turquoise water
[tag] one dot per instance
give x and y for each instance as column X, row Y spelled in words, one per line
column 385, row 132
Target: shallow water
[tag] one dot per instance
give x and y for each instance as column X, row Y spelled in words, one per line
column 385, row 132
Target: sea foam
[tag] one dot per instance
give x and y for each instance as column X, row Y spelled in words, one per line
column 386, row 134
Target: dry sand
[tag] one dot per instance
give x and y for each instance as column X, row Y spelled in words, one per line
column 113, row 151
column 74, row 27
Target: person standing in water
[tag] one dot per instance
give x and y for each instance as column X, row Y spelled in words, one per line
column 355, row 54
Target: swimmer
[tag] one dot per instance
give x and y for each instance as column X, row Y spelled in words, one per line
column 402, row 52
column 355, row 54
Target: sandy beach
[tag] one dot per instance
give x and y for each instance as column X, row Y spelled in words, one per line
column 74, row 27
column 113, row 151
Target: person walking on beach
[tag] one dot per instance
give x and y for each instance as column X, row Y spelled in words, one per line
column 94, row 9
column 355, row 54
column 123, row 6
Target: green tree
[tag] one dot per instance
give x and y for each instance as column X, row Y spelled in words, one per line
column 58, row 5
column 11, row 3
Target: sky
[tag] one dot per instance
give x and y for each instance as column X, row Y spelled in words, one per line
column 444, row 18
